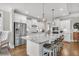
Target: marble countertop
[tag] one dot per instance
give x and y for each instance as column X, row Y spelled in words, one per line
column 40, row 37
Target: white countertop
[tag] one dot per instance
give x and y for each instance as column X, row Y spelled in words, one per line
column 41, row 37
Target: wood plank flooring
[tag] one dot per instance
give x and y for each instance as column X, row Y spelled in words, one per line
column 19, row 51
column 69, row 49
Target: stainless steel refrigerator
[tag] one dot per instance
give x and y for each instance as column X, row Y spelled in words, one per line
column 19, row 31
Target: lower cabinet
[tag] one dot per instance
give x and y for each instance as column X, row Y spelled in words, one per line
column 34, row 49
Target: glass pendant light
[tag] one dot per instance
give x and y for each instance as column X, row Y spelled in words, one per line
column 43, row 14
column 53, row 20
column 44, row 20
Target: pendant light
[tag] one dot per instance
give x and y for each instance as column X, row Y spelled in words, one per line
column 44, row 20
column 43, row 14
column 53, row 20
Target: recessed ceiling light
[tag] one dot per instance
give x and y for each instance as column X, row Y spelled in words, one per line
column 27, row 12
column 61, row 9
column 38, row 17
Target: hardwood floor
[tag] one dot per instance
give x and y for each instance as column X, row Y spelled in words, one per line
column 19, row 51
column 69, row 49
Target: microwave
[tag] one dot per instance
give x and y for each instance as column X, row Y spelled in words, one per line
column 55, row 30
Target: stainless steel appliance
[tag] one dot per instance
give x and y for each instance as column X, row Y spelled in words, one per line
column 55, row 30
column 19, row 31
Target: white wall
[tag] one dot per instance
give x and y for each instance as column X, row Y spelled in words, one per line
column 73, row 21
column 6, row 21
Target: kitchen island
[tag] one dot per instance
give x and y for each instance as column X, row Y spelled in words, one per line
column 35, row 42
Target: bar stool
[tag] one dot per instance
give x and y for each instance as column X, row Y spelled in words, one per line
column 60, row 44
column 55, row 47
column 51, row 51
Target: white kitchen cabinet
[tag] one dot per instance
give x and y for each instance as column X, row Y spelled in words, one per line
column 65, row 26
column 20, row 18
column 34, row 49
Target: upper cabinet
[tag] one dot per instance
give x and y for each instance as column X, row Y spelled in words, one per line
column 19, row 18
column 34, row 26
column 65, row 25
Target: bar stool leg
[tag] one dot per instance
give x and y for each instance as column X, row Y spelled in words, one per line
column 53, row 52
column 49, row 53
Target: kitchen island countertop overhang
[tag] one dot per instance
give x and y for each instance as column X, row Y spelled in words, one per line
column 41, row 37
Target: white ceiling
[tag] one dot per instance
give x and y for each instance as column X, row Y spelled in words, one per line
column 35, row 9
